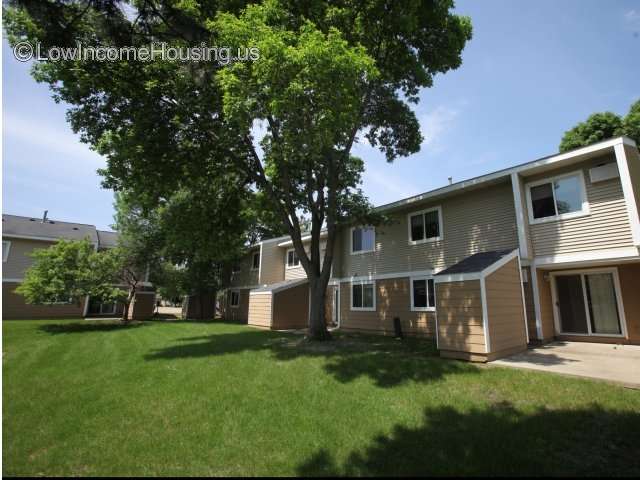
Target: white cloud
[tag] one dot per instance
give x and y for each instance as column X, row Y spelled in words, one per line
column 632, row 18
column 435, row 127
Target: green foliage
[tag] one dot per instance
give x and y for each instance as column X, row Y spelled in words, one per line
column 71, row 270
column 602, row 126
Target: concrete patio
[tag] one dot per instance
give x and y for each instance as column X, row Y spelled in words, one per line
column 613, row 363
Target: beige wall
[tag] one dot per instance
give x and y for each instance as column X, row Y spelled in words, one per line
column 260, row 310
column 393, row 299
column 460, row 324
column 473, row 221
column 247, row 276
column 606, row 227
column 14, row 307
column 505, row 310
column 546, row 307
column 19, row 259
column 272, row 270
column 527, row 287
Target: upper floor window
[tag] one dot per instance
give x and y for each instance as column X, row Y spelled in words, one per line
column 363, row 239
column 235, row 298
column 292, row 258
column 6, row 246
column 363, row 296
column 423, row 297
column 255, row 261
column 558, row 197
column 425, row 226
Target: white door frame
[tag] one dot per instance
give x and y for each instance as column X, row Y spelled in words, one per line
column 582, row 273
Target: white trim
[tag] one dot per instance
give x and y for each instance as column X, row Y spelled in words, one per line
column 33, row 237
column 384, row 276
column 231, row 292
column 425, row 239
column 260, row 265
column 363, row 309
column 583, row 273
column 360, row 252
column 520, row 215
column 85, row 310
column 279, row 288
column 289, row 243
column 499, row 263
column 427, row 308
column 5, row 256
column 627, row 190
column 12, row 280
column 536, row 300
column 485, row 315
column 617, row 254
column 286, row 259
column 526, row 167
column 524, row 303
column 458, row 277
column 584, row 211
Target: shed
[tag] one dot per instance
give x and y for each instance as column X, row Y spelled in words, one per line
column 480, row 307
column 280, row 306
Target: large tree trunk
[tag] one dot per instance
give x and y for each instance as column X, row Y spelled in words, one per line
column 317, row 322
column 127, row 303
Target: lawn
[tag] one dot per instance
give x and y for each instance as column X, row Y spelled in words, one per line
column 186, row 398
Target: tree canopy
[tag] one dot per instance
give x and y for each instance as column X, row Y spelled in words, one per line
column 602, row 126
column 329, row 73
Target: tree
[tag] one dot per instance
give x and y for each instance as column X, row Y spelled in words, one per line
column 602, row 126
column 72, row 271
column 329, row 73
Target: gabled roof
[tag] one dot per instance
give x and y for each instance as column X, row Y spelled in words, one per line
column 475, row 263
column 28, row 227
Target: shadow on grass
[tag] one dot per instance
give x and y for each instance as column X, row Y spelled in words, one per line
column 386, row 361
column 89, row 327
column 500, row 441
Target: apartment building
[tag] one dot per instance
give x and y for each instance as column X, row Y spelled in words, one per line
column 544, row 250
column 22, row 235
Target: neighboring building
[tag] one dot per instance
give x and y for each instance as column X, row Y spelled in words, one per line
column 559, row 238
column 22, row 235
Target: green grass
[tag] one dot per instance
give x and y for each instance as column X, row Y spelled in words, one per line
column 182, row 398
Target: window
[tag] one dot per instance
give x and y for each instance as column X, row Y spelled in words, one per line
column 255, row 261
column 363, row 239
column 292, row 259
column 560, row 197
column 6, row 246
column 423, row 297
column 363, row 296
column 235, row 298
column 425, row 226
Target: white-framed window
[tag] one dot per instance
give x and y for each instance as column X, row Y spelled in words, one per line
column 363, row 239
column 363, row 296
column 234, row 301
column 423, row 294
column 292, row 258
column 555, row 198
column 6, row 246
column 255, row 261
column 425, row 226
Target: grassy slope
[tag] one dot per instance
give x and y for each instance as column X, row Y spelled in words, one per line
column 82, row 398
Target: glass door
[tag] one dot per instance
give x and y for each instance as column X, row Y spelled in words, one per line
column 587, row 304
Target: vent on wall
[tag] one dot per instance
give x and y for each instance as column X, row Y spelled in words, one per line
column 604, row 172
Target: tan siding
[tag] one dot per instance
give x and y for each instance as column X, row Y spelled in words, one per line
column 546, row 308
column 260, row 310
column 14, row 307
column 19, row 259
column 630, row 289
column 505, row 310
column 291, row 308
column 247, row 276
column 606, row 227
column 475, row 221
column 272, row 263
column 241, row 312
column 298, row 272
column 392, row 300
column 460, row 324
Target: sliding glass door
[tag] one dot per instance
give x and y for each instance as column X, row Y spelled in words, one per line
column 587, row 304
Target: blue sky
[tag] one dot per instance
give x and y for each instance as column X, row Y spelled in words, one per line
column 531, row 71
